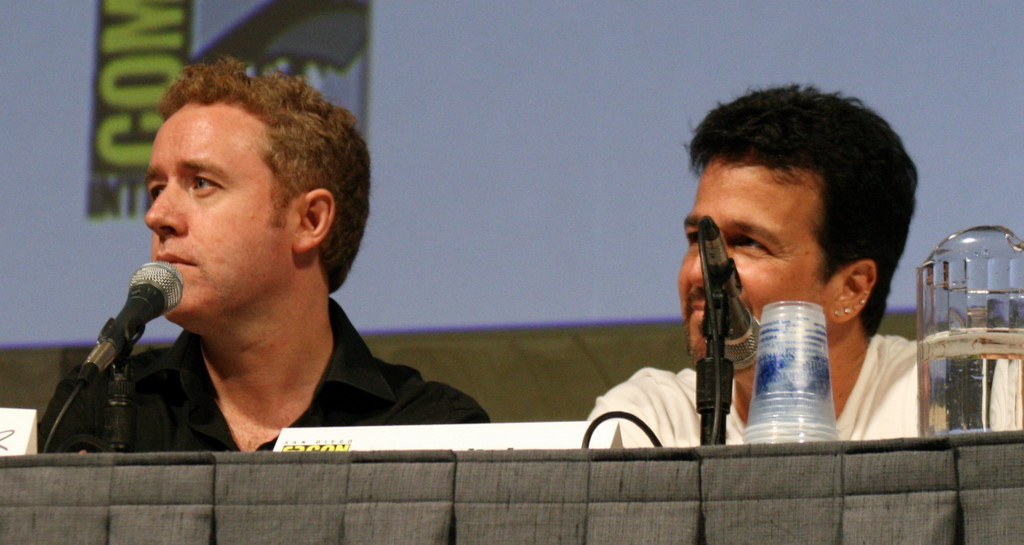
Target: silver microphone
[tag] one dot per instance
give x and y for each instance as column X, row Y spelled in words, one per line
column 155, row 289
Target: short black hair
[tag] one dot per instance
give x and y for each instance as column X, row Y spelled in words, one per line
column 868, row 180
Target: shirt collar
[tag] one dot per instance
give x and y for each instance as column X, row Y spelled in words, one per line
column 351, row 362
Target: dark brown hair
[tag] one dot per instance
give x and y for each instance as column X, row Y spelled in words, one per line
column 867, row 178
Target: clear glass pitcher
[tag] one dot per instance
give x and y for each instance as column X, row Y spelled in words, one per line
column 970, row 333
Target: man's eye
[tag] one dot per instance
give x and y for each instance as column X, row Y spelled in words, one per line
column 742, row 241
column 155, row 192
column 203, row 185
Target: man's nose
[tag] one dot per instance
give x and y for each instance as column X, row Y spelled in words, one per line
column 690, row 270
column 164, row 216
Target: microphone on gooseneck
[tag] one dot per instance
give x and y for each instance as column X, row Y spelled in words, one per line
column 154, row 290
column 741, row 339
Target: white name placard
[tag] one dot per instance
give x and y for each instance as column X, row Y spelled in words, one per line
column 17, row 432
column 505, row 436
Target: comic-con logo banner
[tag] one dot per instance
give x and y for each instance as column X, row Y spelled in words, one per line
column 142, row 45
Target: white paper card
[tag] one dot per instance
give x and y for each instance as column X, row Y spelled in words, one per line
column 17, row 432
column 505, row 436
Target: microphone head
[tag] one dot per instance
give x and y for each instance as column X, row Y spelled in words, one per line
column 162, row 276
column 742, row 349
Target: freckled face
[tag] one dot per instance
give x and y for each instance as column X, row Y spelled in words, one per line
column 213, row 213
column 769, row 228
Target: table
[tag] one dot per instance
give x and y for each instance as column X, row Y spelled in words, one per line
column 962, row 489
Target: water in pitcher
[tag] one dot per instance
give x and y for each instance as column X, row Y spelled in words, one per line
column 971, row 381
column 970, row 332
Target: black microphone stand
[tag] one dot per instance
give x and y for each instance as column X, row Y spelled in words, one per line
column 119, row 414
column 714, row 370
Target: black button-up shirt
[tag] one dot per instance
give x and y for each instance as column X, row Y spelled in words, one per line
column 176, row 408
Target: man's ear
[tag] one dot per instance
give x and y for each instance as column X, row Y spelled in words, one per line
column 316, row 210
column 851, row 286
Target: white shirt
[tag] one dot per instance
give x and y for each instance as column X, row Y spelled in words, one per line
column 882, row 404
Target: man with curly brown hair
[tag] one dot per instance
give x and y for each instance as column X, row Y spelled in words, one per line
column 260, row 194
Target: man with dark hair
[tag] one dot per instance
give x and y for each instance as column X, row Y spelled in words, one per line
column 813, row 193
column 260, row 194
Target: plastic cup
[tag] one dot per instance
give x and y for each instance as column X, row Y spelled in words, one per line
column 792, row 400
